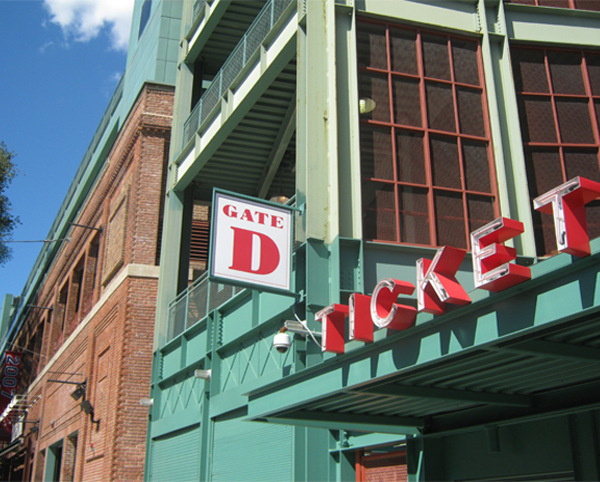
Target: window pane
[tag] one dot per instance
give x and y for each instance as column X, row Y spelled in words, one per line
column 375, row 87
column 554, row 3
column 592, row 216
column 470, row 111
column 414, row 221
column 574, row 121
column 587, row 5
column 449, row 218
column 544, row 171
column 435, row 57
column 445, row 163
column 537, row 120
column 411, row 158
column 593, row 67
column 477, row 166
column 565, row 72
column 481, row 211
column 379, row 218
column 376, row 153
column 407, row 101
column 529, row 70
column 464, row 56
column 440, row 107
column 582, row 163
column 370, row 40
column 403, row 51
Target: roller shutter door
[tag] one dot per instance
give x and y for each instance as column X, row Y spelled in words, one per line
column 176, row 457
column 251, row 451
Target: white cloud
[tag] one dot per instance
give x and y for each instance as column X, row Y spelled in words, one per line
column 83, row 19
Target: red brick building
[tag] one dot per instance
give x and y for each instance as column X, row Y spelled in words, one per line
column 90, row 324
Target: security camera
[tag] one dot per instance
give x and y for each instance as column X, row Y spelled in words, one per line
column 282, row 342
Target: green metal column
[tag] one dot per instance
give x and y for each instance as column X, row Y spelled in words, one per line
column 317, row 156
column 504, row 122
column 169, row 260
column 349, row 175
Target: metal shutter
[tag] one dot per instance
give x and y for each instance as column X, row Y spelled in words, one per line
column 251, row 451
column 176, row 457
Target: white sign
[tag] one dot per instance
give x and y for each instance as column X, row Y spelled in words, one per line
column 251, row 242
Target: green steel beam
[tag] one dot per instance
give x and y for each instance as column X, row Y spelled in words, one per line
column 316, row 142
column 403, row 391
column 550, row 26
column 348, row 123
column 353, row 422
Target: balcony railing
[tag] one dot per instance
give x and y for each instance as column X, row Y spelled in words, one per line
column 252, row 40
column 198, row 6
column 193, row 304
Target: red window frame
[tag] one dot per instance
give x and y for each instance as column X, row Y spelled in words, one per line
column 424, row 184
column 558, row 93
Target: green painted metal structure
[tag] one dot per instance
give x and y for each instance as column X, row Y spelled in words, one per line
column 504, row 387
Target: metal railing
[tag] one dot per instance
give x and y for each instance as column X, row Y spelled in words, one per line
column 250, row 42
column 197, row 301
column 197, row 8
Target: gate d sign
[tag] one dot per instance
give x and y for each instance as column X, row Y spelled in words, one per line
column 251, row 243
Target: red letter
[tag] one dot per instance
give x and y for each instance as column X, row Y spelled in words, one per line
column 332, row 319
column 230, row 211
column 438, row 286
column 242, row 252
column 385, row 312
column 247, row 216
column 567, row 203
column 491, row 267
column 360, row 324
column 276, row 222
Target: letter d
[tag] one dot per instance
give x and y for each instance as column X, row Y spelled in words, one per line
column 242, row 252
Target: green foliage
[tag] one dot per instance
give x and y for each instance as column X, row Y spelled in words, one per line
column 7, row 220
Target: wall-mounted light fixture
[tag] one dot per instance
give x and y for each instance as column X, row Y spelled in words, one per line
column 79, row 392
column 279, row 199
column 88, row 408
column 203, row 374
column 146, row 402
column 366, row 105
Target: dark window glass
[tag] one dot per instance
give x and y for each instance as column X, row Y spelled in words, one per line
column 427, row 169
column 144, row 16
column 559, row 126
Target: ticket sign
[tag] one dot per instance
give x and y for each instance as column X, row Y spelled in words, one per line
column 251, row 242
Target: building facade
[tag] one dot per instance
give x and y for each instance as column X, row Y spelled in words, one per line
column 396, row 129
column 82, row 327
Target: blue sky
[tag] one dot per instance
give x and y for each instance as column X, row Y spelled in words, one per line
column 61, row 61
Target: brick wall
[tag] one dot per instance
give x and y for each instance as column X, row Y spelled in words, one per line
column 107, row 307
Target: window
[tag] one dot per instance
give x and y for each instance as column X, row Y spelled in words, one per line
column 572, row 4
column 426, row 157
column 144, row 16
column 559, row 107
